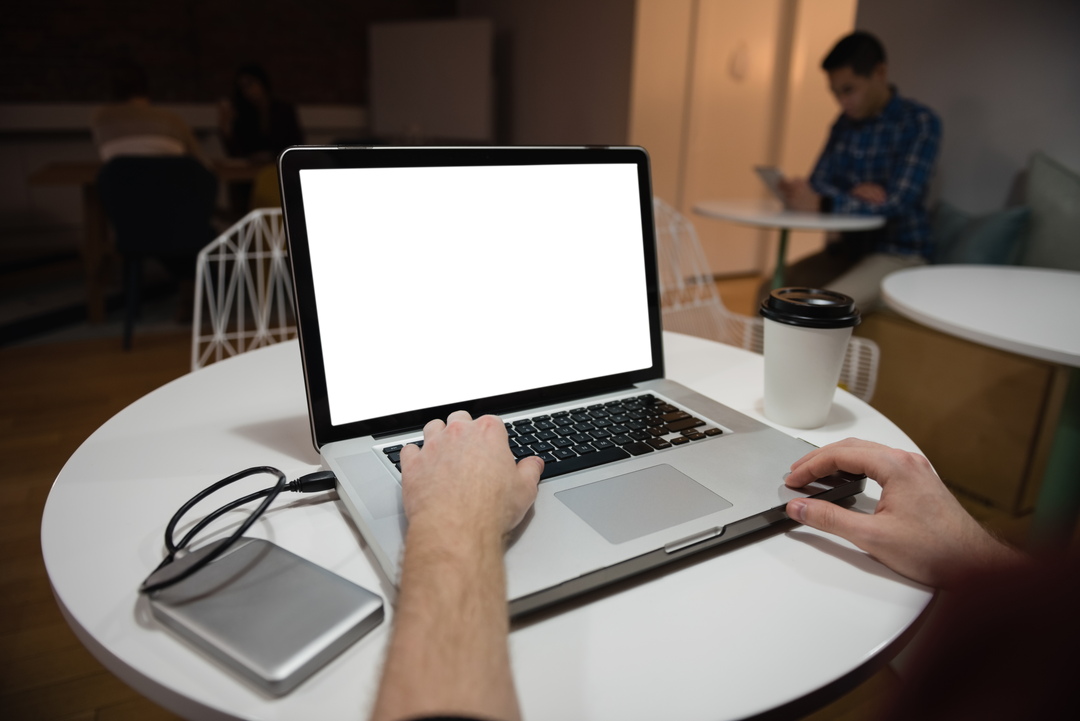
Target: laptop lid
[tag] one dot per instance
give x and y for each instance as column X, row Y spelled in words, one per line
column 486, row 279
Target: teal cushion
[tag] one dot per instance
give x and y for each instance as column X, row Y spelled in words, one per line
column 993, row 239
column 1053, row 238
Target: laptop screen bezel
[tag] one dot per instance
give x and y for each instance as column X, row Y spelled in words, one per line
column 295, row 159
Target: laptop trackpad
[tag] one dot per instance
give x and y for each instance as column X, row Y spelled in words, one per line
column 636, row 504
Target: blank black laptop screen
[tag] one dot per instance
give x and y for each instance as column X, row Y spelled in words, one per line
column 439, row 285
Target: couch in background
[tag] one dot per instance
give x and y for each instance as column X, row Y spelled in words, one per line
column 985, row 418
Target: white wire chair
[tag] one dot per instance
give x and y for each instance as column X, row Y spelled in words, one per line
column 244, row 290
column 690, row 303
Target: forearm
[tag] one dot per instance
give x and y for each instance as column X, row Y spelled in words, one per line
column 448, row 653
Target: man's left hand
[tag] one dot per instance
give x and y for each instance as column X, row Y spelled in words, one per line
column 466, row 475
column 870, row 193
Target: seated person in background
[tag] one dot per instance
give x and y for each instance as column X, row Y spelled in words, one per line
column 1005, row 641
column 877, row 161
column 131, row 126
column 253, row 124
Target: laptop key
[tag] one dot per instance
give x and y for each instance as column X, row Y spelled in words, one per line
column 712, row 431
column 526, row 440
column 544, row 447
column 638, row 449
column 392, row 449
column 658, row 443
column 580, row 438
column 395, row 457
column 583, row 449
column 563, row 453
column 680, row 440
column 562, row 443
column 602, row 444
column 638, row 435
column 582, row 427
column 543, row 425
column 580, row 463
column 565, row 431
column 621, row 440
column 658, row 432
column 684, row 424
column 521, row 452
column 546, row 435
column 695, row 436
column 675, row 416
column 548, row 458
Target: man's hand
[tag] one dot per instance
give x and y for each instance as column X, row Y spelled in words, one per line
column 462, row 493
column 466, row 474
column 798, row 195
column 919, row 529
column 226, row 115
column 870, row 193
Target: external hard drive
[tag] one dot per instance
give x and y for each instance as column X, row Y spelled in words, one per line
column 268, row 614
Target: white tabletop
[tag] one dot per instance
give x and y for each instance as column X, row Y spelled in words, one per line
column 731, row 635
column 1030, row 311
column 771, row 214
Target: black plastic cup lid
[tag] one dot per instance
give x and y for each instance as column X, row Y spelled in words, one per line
column 811, row 308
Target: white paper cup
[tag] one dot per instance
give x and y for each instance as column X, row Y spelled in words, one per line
column 806, row 334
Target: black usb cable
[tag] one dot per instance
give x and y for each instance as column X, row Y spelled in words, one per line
column 173, row 570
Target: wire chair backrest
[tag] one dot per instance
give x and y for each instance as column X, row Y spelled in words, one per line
column 689, row 300
column 243, row 290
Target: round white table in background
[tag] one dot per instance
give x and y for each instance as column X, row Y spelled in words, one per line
column 772, row 214
column 790, row 618
column 1028, row 311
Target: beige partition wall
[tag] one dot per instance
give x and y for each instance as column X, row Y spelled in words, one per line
column 722, row 85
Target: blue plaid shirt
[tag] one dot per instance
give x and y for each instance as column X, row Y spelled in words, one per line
column 896, row 150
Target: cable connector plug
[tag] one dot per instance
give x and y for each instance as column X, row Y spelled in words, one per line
column 313, row 482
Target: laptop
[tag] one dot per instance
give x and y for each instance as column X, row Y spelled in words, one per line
column 520, row 282
column 771, row 177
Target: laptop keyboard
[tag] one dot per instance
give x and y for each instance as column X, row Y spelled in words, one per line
column 590, row 436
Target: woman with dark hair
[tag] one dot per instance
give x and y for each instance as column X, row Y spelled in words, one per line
column 253, row 124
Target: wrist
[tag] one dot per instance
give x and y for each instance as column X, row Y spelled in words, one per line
column 454, row 535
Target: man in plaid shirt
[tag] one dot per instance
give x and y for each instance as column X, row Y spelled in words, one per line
column 878, row 161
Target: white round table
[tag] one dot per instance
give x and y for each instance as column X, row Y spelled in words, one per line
column 772, row 214
column 789, row 618
column 1028, row 311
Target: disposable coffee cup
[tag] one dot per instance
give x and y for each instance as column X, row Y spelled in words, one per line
column 806, row 334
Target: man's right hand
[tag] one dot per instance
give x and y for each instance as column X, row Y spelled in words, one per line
column 918, row 529
column 798, row 195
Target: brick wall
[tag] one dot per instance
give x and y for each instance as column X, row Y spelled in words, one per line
column 315, row 51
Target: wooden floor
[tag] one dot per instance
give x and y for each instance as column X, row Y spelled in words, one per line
column 52, row 397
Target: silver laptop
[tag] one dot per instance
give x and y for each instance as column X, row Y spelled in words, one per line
column 520, row 282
